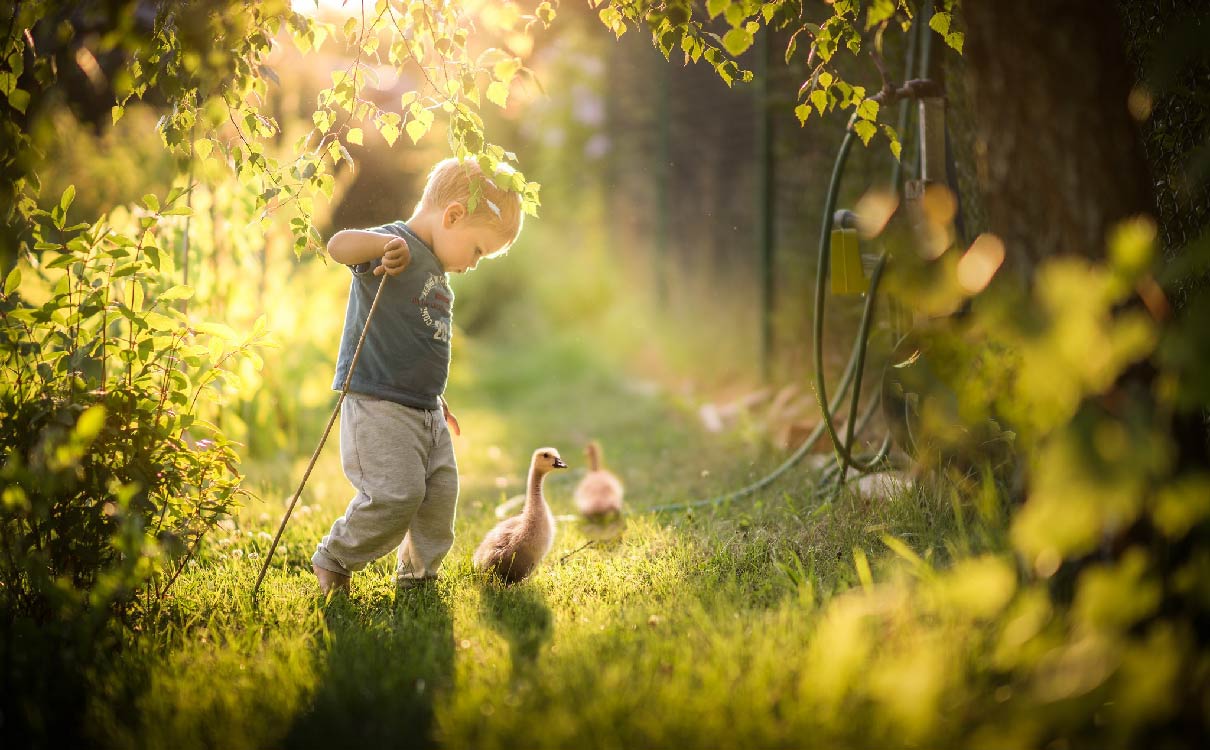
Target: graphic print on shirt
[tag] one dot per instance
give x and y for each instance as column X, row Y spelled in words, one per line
column 434, row 303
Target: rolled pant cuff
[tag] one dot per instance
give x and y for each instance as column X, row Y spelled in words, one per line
column 323, row 560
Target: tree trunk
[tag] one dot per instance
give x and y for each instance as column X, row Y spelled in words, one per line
column 1059, row 159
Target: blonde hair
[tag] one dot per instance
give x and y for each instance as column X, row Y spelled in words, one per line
column 452, row 180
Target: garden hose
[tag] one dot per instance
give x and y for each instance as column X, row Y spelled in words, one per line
column 852, row 369
column 852, row 377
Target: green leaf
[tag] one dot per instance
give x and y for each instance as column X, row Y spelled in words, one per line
column 943, row 24
column 880, row 10
column 667, row 41
column 180, row 291
column 69, row 195
column 819, row 98
column 825, row 41
column 714, row 7
column 940, row 23
column 737, row 41
column 846, row 93
column 1132, row 246
column 893, row 138
column 865, row 130
column 116, row 112
column 389, row 132
column 152, row 202
column 354, row 136
column 506, row 70
column 736, row 13
column 416, row 130
column 904, row 551
column 862, row 564
column 224, row 332
column 90, row 423
column 13, row 281
column 19, row 99
column 853, row 40
column 159, row 321
column 497, row 93
column 791, row 48
column 802, row 112
column 868, row 109
column 613, row 20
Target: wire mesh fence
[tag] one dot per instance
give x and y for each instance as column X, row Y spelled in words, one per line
column 1167, row 44
column 717, row 191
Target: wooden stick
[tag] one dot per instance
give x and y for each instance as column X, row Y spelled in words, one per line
column 344, row 389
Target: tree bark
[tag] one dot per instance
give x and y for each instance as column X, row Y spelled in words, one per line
column 1059, row 159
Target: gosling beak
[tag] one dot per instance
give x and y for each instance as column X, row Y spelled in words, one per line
column 559, row 464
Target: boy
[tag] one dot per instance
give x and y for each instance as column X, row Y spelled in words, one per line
column 395, row 446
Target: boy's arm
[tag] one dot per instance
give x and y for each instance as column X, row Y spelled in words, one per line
column 354, row 246
column 450, row 419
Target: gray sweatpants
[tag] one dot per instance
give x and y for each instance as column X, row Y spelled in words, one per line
column 401, row 462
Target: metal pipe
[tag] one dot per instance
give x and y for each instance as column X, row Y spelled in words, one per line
column 932, row 140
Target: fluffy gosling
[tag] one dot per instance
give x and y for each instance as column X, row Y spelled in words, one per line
column 513, row 549
column 598, row 498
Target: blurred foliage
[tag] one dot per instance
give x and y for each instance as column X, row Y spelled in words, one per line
column 1090, row 628
column 208, row 67
column 721, row 30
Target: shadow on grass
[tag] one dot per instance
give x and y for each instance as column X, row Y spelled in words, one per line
column 385, row 665
column 522, row 617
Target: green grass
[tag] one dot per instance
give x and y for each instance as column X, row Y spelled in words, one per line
column 692, row 630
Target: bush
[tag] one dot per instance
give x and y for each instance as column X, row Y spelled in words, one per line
column 109, row 478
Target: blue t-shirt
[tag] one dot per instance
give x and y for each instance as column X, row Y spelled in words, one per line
column 406, row 355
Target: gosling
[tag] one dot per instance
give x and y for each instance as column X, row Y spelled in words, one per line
column 513, row 549
column 598, row 497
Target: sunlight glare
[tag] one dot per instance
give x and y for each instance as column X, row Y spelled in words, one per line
column 316, row 7
column 874, row 210
column 980, row 262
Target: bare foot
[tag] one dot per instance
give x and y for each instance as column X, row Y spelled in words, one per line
column 329, row 581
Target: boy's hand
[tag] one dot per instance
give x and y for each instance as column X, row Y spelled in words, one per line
column 450, row 419
column 395, row 257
